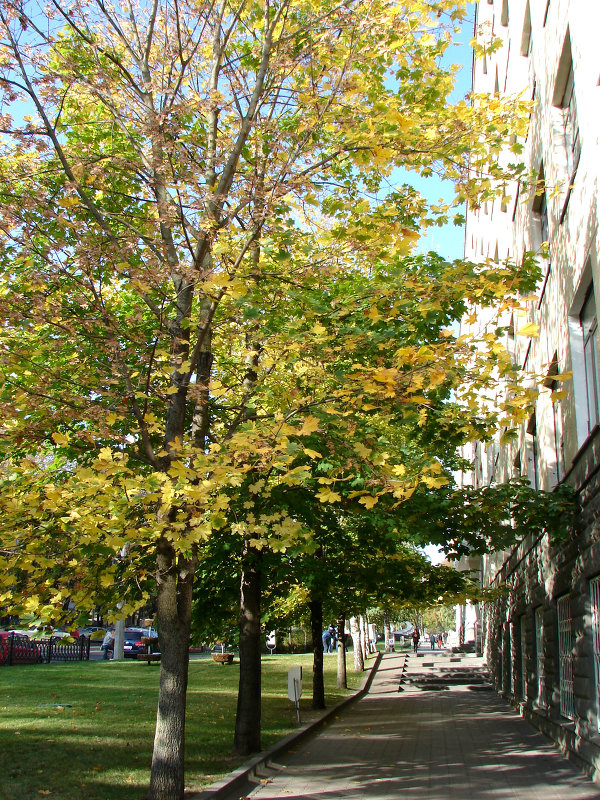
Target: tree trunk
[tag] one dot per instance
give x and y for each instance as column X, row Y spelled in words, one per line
column 342, row 682
column 174, row 603
column 363, row 636
column 316, row 625
column 387, row 632
column 359, row 662
column 247, row 721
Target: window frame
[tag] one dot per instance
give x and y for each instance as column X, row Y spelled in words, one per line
column 582, row 364
column 590, row 358
column 565, row 656
column 595, row 625
column 539, row 656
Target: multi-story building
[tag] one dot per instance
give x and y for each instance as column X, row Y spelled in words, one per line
column 542, row 637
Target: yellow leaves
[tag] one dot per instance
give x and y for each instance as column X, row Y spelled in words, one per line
column 60, row 439
column 404, row 492
column 310, row 425
column 418, row 398
column 380, row 459
column 385, row 375
column 327, row 495
column 373, row 314
column 312, row 453
column 68, row 202
column 31, row 603
column 436, row 377
column 434, row 483
column 368, row 501
column 558, row 396
column 106, row 580
column 405, row 355
column 179, row 470
column 319, row 329
column 362, row 451
column 531, row 329
column 562, row 376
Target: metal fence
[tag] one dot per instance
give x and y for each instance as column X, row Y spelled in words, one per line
column 16, row 649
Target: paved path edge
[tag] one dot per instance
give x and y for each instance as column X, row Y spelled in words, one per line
column 240, row 778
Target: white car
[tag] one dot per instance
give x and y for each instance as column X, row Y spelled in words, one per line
column 45, row 633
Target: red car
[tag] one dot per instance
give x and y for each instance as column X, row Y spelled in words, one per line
column 16, row 648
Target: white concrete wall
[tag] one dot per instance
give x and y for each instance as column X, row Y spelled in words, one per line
column 507, row 230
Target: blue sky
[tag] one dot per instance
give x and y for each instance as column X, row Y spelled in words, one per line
column 449, row 240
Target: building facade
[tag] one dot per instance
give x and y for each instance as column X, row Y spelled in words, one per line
column 542, row 637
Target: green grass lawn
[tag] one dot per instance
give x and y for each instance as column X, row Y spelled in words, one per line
column 84, row 731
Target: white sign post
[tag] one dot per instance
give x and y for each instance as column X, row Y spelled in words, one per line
column 295, row 687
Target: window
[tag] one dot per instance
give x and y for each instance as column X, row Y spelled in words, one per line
column 595, row 604
column 508, row 684
column 526, row 35
column 559, row 452
column 565, row 657
column 571, row 124
column 539, row 656
column 523, row 658
column 541, row 230
column 540, row 209
column 517, row 465
column 583, row 331
column 532, row 451
column 566, row 123
column 588, row 322
column 506, row 672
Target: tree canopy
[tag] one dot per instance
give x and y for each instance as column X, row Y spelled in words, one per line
column 208, row 291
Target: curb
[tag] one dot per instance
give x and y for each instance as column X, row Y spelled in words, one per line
column 244, row 777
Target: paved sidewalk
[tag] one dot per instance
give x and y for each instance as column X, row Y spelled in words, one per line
column 460, row 742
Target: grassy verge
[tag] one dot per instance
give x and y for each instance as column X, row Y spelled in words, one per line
column 84, row 731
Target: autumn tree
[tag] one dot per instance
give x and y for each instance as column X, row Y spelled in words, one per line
column 176, row 180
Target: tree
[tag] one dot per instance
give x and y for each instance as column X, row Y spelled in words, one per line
column 184, row 180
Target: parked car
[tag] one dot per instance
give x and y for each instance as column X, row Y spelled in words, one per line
column 95, row 632
column 133, row 641
column 51, row 633
column 20, row 648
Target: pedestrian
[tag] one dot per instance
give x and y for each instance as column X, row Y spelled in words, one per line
column 440, row 640
column 333, row 636
column 415, row 639
column 432, row 638
column 108, row 643
column 326, row 642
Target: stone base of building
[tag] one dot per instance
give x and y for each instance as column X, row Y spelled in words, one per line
column 542, row 633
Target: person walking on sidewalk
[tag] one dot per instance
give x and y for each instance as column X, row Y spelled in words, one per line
column 108, row 644
column 415, row 639
column 432, row 638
